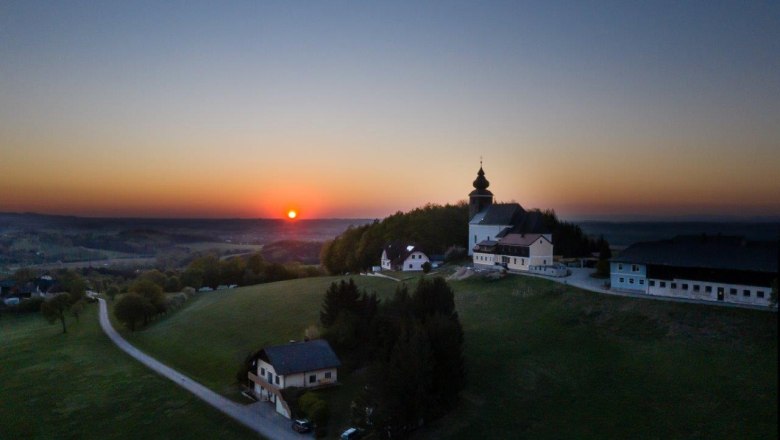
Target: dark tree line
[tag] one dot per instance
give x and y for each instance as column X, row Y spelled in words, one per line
column 412, row 345
column 436, row 229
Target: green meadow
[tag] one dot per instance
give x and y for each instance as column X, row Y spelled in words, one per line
column 80, row 386
column 544, row 360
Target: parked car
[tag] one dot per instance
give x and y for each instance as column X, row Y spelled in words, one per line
column 301, row 425
column 352, row 434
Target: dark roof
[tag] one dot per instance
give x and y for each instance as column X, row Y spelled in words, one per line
column 299, row 357
column 502, row 214
column 398, row 252
column 702, row 251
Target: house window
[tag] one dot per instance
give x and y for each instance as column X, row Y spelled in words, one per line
column 733, row 291
column 695, row 287
column 630, row 281
column 745, row 292
column 327, row 375
column 475, row 239
column 642, row 282
column 673, row 286
column 634, row 268
column 262, row 371
column 622, row 280
column 312, row 378
column 662, row 284
column 651, row 283
column 410, row 265
column 760, row 293
column 620, row 266
column 685, row 286
column 277, row 379
column 544, row 262
column 708, row 289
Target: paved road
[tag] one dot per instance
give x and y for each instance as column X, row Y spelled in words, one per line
column 259, row 417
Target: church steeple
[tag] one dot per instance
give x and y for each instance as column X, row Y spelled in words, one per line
column 480, row 198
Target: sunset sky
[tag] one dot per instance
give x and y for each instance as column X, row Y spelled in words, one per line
column 362, row 109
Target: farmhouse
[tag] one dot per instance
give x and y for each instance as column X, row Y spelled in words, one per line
column 307, row 364
column 403, row 257
column 713, row 268
column 506, row 235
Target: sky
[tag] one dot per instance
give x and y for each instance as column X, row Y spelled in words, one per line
column 362, row 109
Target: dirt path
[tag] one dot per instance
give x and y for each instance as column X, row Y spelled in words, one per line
column 259, row 417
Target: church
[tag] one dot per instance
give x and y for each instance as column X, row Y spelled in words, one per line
column 504, row 235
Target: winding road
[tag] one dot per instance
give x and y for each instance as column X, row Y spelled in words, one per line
column 259, row 416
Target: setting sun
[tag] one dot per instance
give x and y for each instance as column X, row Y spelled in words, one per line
column 292, row 214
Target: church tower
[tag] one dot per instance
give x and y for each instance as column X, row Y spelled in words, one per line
column 480, row 198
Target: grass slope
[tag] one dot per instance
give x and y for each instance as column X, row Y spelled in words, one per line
column 544, row 360
column 79, row 385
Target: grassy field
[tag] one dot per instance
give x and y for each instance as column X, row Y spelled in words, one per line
column 544, row 360
column 80, row 386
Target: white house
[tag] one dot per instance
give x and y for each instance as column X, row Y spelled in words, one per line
column 307, row 364
column 397, row 256
column 711, row 268
column 519, row 253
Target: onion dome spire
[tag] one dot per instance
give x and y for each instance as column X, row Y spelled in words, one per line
column 481, row 183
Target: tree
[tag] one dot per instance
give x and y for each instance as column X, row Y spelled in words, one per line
column 132, row 309
column 24, row 275
column 339, row 298
column 76, row 308
column 152, row 293
column 54, row 309
column 433, row 296
column 112, row 292
column 773, row 295
column 426, row 267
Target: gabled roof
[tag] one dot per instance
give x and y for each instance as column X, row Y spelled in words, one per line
column 521, row 239
column 300, row 357
column 499, row 214
column 398, row 252
column 712, row 252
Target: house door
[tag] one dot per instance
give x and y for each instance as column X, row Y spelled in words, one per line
column 720, row 294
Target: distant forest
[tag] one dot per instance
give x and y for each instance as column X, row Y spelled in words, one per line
column 436, row 229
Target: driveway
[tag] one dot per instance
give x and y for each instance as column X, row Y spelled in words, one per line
column 259, row 417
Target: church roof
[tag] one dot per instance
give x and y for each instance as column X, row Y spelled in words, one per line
column 499, row 214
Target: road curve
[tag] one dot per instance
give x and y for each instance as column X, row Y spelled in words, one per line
column 259, row 417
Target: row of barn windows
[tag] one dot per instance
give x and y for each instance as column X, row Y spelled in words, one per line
column 696, row 287
column 312, row 377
